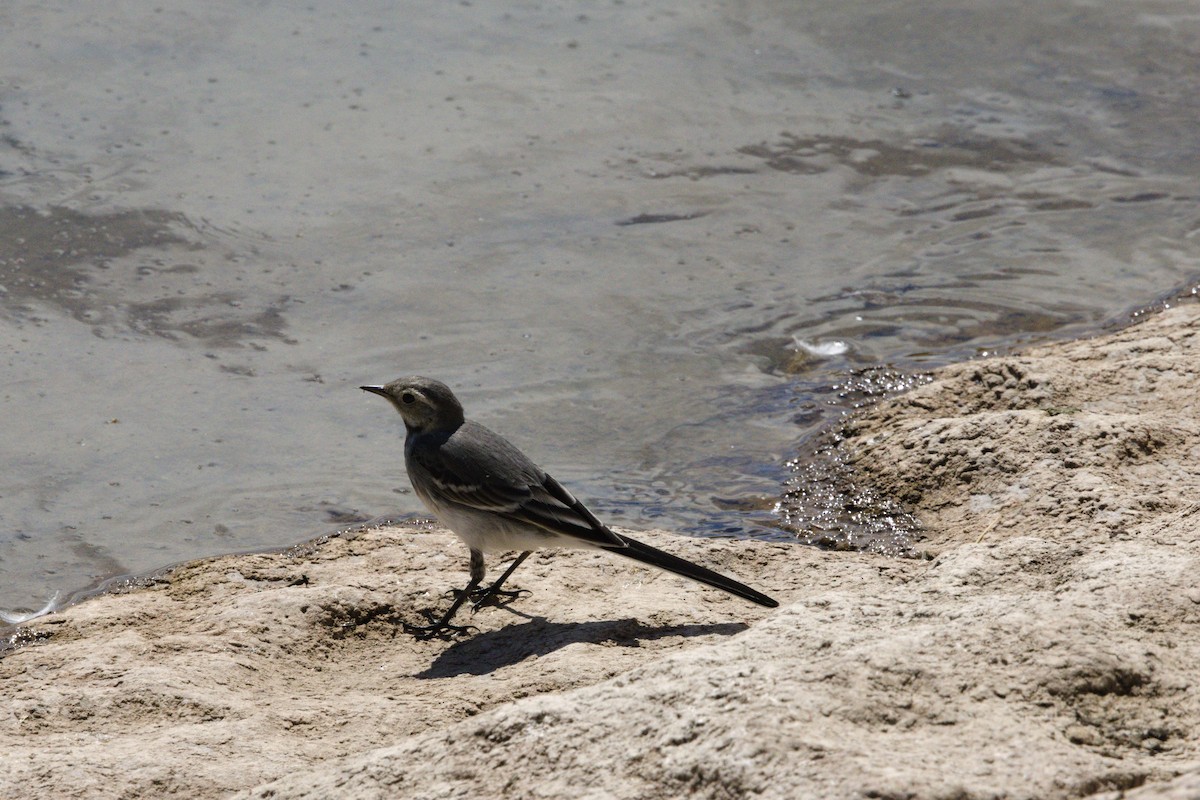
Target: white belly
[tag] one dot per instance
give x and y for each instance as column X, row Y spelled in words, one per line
column 489, row 533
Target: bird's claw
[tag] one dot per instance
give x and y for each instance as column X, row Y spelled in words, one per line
column 498, row 598
column 486, row 597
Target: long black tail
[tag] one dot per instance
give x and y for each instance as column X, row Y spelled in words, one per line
column 657, row 558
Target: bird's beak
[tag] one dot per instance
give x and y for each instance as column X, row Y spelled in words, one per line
column 379, row 390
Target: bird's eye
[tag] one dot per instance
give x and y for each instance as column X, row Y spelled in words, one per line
column 408, row 398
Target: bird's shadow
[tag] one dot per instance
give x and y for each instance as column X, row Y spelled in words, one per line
column 491, row 650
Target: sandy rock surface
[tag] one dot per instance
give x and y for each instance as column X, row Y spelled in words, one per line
column 1051, row 648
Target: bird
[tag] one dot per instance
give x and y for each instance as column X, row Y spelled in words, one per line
column 495, row 498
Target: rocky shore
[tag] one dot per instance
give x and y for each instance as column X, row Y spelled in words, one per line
column 1050, row 648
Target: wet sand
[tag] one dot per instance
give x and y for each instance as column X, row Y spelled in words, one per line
column 1048, row 649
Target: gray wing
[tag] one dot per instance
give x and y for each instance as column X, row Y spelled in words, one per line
column 479, row 469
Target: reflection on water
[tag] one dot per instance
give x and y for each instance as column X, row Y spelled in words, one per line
column 48, row 255
column 607, row 231
column 84, row 265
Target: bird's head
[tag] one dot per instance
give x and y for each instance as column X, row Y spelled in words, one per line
column 425, row 404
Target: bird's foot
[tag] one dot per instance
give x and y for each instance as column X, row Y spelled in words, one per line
column 496, row 597
column 442, row 629
column 488, row 597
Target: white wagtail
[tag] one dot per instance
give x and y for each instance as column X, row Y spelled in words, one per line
column 495, row 498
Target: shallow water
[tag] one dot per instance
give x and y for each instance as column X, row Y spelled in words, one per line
column 603, row 225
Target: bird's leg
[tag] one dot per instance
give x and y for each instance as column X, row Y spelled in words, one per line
column 491, row 595
column 442, row 628
column 488, row 597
